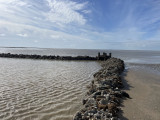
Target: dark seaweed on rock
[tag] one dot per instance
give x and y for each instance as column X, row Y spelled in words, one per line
column 104, row 95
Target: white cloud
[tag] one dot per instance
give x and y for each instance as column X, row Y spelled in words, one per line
column 86, row 11
column 87, row 39
column 65, row 11
column 62, row 23
column 13, row 2
column 8, row 5
column 22, row 35
column 2, row 35
column 48, row 14
column 36, row 41
column 55, row 36
column 44, row 36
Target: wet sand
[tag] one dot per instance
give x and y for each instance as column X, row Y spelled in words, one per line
column 143, row 87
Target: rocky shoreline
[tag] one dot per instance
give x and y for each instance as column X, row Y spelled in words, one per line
column 104, row 94
column 104, row 56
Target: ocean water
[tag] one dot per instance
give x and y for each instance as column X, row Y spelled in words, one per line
column 53, row 90
column 129, row 56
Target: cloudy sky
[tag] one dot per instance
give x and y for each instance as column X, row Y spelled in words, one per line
column 85, row 24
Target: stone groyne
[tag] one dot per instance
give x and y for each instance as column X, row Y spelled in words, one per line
column 104, row 94
column 53, row 57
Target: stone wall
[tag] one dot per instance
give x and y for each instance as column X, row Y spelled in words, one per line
column 50, row 57
column 104, row 93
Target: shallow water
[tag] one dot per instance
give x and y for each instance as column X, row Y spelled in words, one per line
column 42, row 90
column 52, row 90
column 149, row 60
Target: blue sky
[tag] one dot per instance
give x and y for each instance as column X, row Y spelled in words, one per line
column 84, row 24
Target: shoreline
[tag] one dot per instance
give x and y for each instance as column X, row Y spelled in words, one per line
column 105, row 94
column 143, row 86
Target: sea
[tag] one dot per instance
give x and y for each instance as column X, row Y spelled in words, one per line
column 52, row 89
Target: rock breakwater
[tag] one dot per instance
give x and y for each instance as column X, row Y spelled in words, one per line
column 104, row 94
column 53, row 57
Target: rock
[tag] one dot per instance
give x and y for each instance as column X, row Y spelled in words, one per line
column 91, row 102
column 114, row 118
column 84, row 101
column 78, row 116
column 97, row 93
column 112, row 108
column 124, row 94
column 99, row 97
column 102, row 104
column 104, row 93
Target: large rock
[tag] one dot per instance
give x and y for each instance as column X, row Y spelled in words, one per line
column 104, row 94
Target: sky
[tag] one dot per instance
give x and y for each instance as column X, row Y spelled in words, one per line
column 81, row 24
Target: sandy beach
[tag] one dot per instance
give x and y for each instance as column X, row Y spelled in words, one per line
column 143, row 87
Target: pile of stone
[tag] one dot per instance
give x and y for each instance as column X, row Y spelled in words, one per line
column 104, row 96
column 53, row 57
